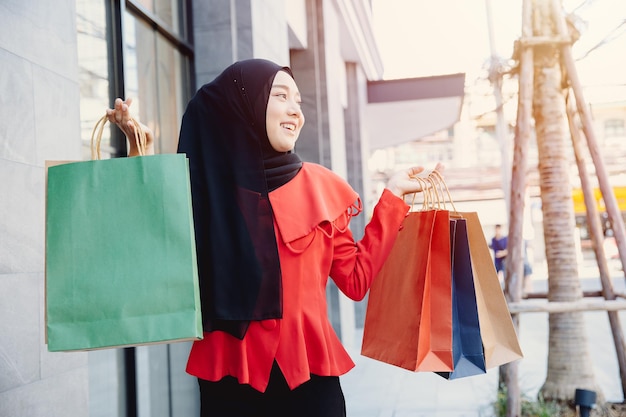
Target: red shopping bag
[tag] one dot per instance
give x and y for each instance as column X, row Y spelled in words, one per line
column 408, row 321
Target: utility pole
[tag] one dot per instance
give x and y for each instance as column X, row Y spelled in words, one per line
column 496, row 69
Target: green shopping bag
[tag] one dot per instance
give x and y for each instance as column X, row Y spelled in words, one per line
column 120, row 254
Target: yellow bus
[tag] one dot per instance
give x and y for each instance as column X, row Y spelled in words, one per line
column 580, row 211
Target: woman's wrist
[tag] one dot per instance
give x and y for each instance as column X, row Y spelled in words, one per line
column 395, row 191
column 394, row 188
column 133, row 150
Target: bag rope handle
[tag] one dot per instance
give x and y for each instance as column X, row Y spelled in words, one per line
column 425, row 193
column 435, row 190
column 431, row 198
column 438, row 178
column 96, row 137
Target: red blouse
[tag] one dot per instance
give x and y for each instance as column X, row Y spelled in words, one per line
column 312, row 213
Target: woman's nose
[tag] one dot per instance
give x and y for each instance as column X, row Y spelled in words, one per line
column 295, row 109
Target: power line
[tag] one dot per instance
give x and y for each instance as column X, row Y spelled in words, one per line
column 611, row 36
column 583, row 5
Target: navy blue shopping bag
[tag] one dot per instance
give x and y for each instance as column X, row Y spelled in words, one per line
column 467, row 345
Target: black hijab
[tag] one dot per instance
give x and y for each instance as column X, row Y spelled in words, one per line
column 233, row 167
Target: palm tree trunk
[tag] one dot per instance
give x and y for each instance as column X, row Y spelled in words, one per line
column 569, row 363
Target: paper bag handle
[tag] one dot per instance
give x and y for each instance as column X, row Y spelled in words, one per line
column 441, row 183
column 96, row 137
column 435, row 191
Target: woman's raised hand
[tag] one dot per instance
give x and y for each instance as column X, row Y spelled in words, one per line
column 120, row 115
column 403, row 182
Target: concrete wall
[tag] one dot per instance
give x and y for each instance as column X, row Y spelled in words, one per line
column 226, row 31
column 39, row 120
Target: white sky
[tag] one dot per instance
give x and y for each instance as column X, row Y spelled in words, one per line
column 419, row 38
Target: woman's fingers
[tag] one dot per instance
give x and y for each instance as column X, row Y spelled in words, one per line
column 120, row 115
column 412, row 180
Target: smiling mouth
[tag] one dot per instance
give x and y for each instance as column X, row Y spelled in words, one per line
column 288, row 126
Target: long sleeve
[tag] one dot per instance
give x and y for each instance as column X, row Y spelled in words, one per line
column 355, row 265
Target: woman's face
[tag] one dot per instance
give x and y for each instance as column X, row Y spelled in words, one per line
column 284, row 118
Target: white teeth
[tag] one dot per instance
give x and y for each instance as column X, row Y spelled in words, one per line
column 288, row 126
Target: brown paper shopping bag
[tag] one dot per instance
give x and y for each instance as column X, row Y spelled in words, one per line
column 500, row 339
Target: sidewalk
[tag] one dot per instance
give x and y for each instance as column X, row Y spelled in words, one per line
column 375, row 389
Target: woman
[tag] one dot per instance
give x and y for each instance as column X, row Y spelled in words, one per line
column 270, row 230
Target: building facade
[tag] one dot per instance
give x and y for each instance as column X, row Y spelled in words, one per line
column 62, row 64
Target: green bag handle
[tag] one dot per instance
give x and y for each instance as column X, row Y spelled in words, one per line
column 96, row 137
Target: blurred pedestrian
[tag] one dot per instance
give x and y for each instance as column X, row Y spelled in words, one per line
column 499, row 247
column 527, row 284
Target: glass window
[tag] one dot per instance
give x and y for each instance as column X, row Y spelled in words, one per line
column 149, row 38
column 155, row 75
column 93, row 71
column 140, row 71
column 168, row 11
column 173, row 93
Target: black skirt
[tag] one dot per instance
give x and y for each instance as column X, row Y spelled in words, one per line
column 321, row 396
